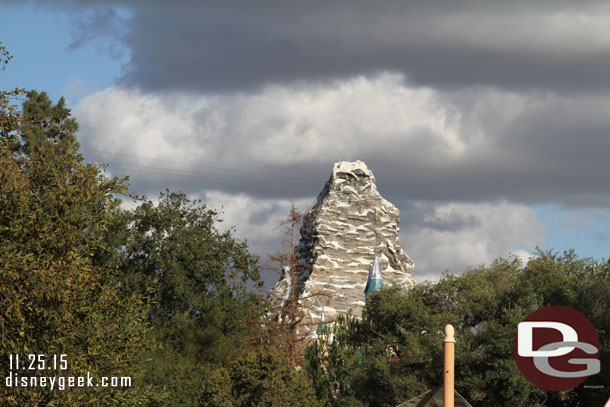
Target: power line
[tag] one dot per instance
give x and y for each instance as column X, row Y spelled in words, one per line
column 226, row 177
column 206, row 166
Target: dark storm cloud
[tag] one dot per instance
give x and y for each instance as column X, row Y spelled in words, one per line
column 236, row 45
column 227, row 48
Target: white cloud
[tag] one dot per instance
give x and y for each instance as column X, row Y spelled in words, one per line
column 129, row 122
column 276, row 126
column 524, row 255
column 468, row 144
column 255, row 220
column 484, row 232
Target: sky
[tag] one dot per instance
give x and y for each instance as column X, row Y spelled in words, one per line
column 486, row 123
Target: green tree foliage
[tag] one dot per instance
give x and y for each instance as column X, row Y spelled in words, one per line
column 329, row 361
column 45, row 123
column 198, row 282
column 260, row 377
column 157, row 293
column 9, row 115
column 174, row 251
column 400, row 336
column 54, row 299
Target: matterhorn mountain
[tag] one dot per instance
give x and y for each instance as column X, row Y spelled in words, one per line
column 349, row 229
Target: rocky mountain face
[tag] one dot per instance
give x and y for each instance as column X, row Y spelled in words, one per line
column 336, row 250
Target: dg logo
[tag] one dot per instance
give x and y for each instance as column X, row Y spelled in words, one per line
column 556, row 348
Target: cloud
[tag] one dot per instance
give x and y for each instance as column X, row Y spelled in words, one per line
column 438, row 236
column 280, row 142
column 101, row 25
column 218, row 46
column 255, row 220
column 467, row 112
column 254, row 153
column 468, row 145
column 458, row 235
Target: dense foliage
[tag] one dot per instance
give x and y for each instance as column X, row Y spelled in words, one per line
column 260, row 377
column 395, row 352
column 156, row 293
column 194, row 279
column 54, row 209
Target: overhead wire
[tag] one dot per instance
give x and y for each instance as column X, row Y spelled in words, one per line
column 208, row 167
column 232, row 175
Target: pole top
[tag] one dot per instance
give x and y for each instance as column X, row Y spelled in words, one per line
column 449, row 333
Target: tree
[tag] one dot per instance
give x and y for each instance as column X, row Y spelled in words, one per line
column 158, row 293
column 261, row 377
column 199, row 285
column 329, row 362
column 173, row 253
column 290, row 315
column 400, row 335
column 292, row 326
column 10, row 117
column 54, row 298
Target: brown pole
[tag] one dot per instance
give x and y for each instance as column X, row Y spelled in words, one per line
column 448, row 377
